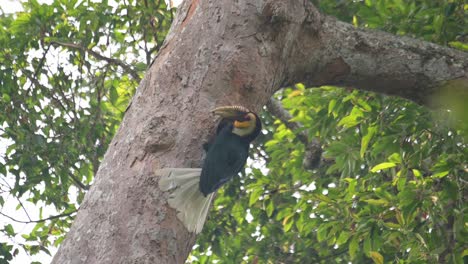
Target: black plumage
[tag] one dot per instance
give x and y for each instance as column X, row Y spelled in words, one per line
column 227, row 154
column 191, row 190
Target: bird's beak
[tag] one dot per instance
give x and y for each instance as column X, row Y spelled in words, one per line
column 230, row 111
column 244, row 124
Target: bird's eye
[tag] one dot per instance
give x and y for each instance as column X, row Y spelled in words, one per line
column 247, row 117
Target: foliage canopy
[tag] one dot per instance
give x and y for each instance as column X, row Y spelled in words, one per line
column 390, row 187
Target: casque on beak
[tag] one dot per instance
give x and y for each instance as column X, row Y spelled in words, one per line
column 230, row 112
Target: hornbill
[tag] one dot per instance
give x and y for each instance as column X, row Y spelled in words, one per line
column 192, row 189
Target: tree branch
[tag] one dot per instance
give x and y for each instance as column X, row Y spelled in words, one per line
column 77, row 181
column 313, row 149
column 17, row 198
column 40, row 220
column 98, row 56
column 275, row 108
column 340, row 54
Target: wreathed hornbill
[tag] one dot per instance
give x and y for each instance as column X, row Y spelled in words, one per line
column 192, row 189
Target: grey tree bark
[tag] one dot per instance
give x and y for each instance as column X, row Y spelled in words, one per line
column 223, row 52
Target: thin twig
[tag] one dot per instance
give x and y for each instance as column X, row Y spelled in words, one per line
column 39, row 67
column 77, row 181
column 24, row 209
column 98, row 56
column 40, row 220
column 313, row 148
column 47, row 92
column 275, row 108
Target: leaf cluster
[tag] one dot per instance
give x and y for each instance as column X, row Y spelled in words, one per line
column 67, row 72
column 390, row 188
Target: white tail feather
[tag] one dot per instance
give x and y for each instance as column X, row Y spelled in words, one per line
column 191, row 205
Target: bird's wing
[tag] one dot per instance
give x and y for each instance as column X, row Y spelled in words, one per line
column 225, row 159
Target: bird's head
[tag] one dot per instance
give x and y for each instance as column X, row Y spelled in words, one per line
column 246, row 123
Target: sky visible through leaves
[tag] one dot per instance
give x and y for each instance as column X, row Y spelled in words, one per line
column 31, row 210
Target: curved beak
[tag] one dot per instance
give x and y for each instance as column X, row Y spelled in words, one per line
column 230, row 111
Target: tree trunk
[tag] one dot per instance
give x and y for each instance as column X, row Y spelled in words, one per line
column 224, row 52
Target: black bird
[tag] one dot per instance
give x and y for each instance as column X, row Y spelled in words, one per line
column 227, row 154
column 192, row 189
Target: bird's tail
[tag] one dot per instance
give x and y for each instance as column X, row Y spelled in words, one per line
column 191, row 205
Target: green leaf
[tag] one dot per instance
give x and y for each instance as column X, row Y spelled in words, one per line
column 395, row 158
column 331, row 105
column 440, row 174
column 299, row 223
column 2, row 170
column 349, row 121
column 416, row 173
column 323, row 198
column 283, row 213
column 364, row 105
column 458, row 45
column 344, row 236
column 114, row 96
column 421, row 239
column 407, row 196
column 322, row 233
column 288, row 222
column 238, row 212
column 271, row 143
column 351, row 190
column 353, row 247
column 366, row 139
column 383, row 166
column 392, row 225
column 270, row 208
column 367, row 245
column 376, row 201
column 58, row 241
column 9, row 230
column 6, row 98
column 352, row 119
column 254, row 195
column 438, row 22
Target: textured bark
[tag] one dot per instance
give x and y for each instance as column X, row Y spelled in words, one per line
column 223, row 52
column 339, row 54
